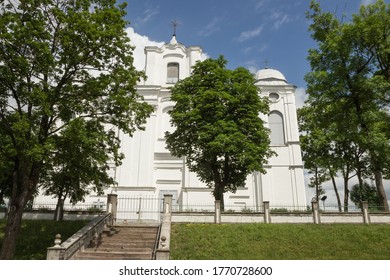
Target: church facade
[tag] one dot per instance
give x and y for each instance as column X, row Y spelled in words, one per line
column 149, row 168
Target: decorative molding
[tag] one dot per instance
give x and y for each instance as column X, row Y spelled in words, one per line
column 239, row 197
column 178, row 55
column 168, row 182
column 165, row 156
column 197, row 189
column 134, row 188
column 283, row 165
column 293, row 142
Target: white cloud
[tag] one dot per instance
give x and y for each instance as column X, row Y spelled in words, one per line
column 140, row 42
column 279, row 19
column 211, row 27
column 367, row 2
column 300, row 97
column 255, row 49
column 246, row 35
column 252, row 66
column 260, row 4
column 149, row 13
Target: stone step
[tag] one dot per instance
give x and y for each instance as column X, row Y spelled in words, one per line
column 130, row 235
column 121, row 232
column 119, row 250
column 139, row 244
column 122, row 243
column 112, row 256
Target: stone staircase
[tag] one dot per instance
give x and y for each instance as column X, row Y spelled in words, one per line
column 133, row 242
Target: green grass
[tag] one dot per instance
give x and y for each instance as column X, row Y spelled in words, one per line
column 237, row 241
column 37, row 235
column 280, row 242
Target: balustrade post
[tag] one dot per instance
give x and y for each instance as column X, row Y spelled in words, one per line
column 316, row 212
column 267, row 213
column 217, row 217
column 366, row 215
column 112, row 204
column 163, row 250
column 56, row 252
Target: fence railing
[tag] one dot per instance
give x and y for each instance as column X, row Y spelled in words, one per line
column 148, row 207
column 48, row 207
column 145, row 208
column 229, row 208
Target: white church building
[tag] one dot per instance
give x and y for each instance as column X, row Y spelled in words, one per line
column 149, row 170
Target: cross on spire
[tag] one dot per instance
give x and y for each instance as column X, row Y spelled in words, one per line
column 175, row 24
column 266, row 63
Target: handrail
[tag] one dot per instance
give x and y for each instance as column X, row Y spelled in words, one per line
column 156, row 244
column 79, row 240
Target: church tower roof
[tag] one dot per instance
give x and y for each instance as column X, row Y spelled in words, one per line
column 269, row 76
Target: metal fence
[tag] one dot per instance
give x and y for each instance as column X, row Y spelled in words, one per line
column 141, row 208
column 49, row 207
column 229, row 208
column 237, row 208
column 150, row 207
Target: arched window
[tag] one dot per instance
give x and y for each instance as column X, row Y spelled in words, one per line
column 172, row 73
column 275, row 121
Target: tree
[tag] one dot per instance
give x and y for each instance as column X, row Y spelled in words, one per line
column 364, row 192
column 80, row 164
column 218, row 128
column 328, row 147
column 61, row 62
column 350, row 69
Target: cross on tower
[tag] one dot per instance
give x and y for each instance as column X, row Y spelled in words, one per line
column 175, row 23
column 266, row 62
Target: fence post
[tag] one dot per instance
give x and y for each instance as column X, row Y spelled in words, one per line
column 167, row 204
column 316, row 212
column 163, row 250
column 267, row 214
column 217, row 217
column 366, row 216
column 56, row 252
column 112, row 203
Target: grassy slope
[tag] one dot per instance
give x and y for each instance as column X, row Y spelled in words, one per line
column 36, row 236
column 280, row 241
column 237, row 241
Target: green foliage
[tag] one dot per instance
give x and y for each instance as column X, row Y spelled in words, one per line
column 278, row 210
column 365, row 192
column 347, row 109
column 80, row 164
column 67, row 81
column 37, row 235
column 218, row 128
column 280, row 242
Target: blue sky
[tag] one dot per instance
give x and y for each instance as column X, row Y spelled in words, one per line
column 246, row 32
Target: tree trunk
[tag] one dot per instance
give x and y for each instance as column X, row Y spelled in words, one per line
column 13, row 225
column 336, row 192
column 381, row 190
column 59, row 212
column 317, row 184
column 346, row 192
column 218, row 195
column 24, row 181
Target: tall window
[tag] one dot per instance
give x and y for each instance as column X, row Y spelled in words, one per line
column 172, row 73
column 275, row 121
